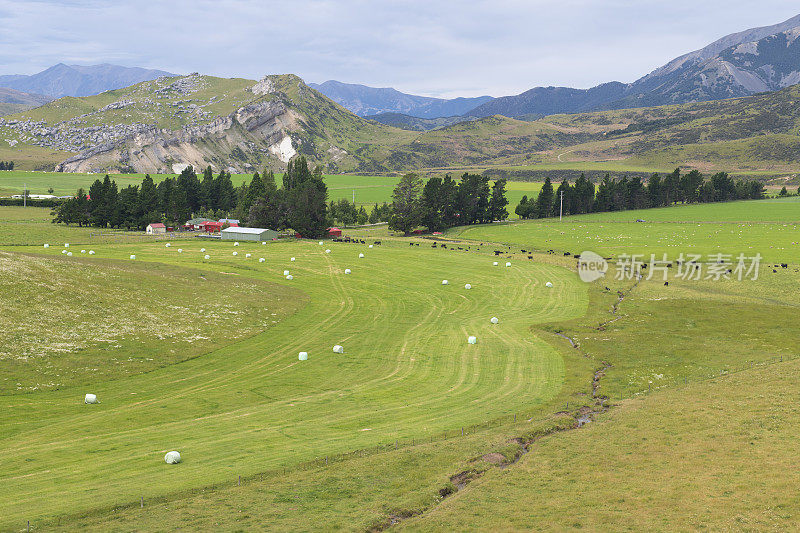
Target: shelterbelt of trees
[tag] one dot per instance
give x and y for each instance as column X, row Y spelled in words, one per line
column 6, row 165
column 620, row 195
column 300, row 203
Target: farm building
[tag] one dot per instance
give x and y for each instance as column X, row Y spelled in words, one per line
column 196, row 224
column 334, row 232
column 212, row 227
column 229, row 221
column 236, row 233
column 156, row 229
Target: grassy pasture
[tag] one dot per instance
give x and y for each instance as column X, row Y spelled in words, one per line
column 251, row 406
column 769, row 227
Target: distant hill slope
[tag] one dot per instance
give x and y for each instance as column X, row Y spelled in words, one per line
column 363, row 101
column 741, row 64
column 75, row 80
column 243, row 125
column 12, row 101
column 407, row 122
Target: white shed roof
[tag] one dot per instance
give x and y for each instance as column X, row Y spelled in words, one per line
column 236, row 229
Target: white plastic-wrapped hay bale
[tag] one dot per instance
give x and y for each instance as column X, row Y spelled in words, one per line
column 292, row 259
column 285, row 272
column 261, row 259
column 202, row 250
column 361, row 256
column 445, row 282
column 495, row 320
column 370, row 246
column 548, row 285
column 290, row 277
column 302, row 356
column 263, row 243
column 172, row 458
column 91, row 252
column 83, row 251
column 90, row 398
column 347, row 270
column 495, row 263
column 69, row 254
column 235, row 253
column 63, row 251
column 168, row 245
column 206, row 256
column 47, row 245
column 180, row 250
column 320, row 243
column 508, row 263
column 133, row 256
column 472, row 339
column 66, row 245
column 247, row 256
column 468, row 286
column 328, row 251
column 338, row 349
column 236, row 243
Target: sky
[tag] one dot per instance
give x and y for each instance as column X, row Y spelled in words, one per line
column 442, row 48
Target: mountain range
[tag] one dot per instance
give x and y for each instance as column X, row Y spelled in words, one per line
column 364, row 101
column 12, row 101
column 76, row 80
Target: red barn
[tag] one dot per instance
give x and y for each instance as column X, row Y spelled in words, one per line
column 334, row 232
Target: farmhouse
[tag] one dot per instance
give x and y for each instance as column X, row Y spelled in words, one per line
column 196, row 224
column 156, row 229
column 236, row 233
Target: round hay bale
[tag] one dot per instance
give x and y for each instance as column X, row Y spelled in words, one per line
column 495, row 263
column 292, row 259
column 235, row 253
column 167, row 245
column 445, row 282
column 320, row 243
column 91, row 252
column 83, row 251
column 66, row 245
column 236, row 243
column 548, row 285
column 302, row 356
column 47, row 246
column 90, row 398
column 206, row 256
column 361, row 256
column 468, row 286
column 133, row 257
column 346, row 270
column 180, row 250
column 289, row 277
column 261, row 259
column 202, row 250
column 63, row 251
column 495, row 320
column 338, row 349
column 69, row 254
column 247, row 256
column 172, row 458
column 328, row 251
column 285, row 272
column 263, row 243
column 508, row 263
column 472, row 339
column 370, row 246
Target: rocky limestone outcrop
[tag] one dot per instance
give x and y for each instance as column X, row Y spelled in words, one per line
column 255, row 133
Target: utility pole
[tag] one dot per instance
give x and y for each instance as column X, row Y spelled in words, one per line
column 561, row 207
column 354, row 197
column 24, row 195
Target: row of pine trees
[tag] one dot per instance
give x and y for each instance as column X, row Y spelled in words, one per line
column 6, row 165
column 623, row 194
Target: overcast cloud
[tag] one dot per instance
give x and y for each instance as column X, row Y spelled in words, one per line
column 436, row 48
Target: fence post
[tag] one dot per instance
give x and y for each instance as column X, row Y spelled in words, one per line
column 142, row 502
column 240, row 480
column 462, row 431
